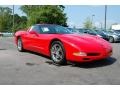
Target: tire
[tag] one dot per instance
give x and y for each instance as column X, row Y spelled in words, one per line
column 111, row 39
column 20, row 45
column 57, row 53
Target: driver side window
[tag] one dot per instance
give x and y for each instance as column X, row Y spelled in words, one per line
column 36, row 28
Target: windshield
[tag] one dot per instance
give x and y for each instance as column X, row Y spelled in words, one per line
column 112, row 32
column 99, row 32
column 53, row 29
column 93, row 32
column 61, row 30
column 73, row 30
column 117, row 31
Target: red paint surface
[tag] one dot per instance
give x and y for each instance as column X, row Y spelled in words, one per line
column 72, row 43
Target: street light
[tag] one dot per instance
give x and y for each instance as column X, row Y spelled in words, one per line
column 105, row 15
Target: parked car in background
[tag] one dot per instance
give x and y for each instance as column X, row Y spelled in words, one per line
column 82, row 30
column 95, row 32
column 114, row 36
column 117, row 31
column 62, row 45
column 1, row 34
column 73, row 30
column 104, row 36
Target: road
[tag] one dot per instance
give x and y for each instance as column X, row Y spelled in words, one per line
column 34, row 69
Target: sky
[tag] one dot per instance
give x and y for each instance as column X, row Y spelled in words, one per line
column 77, row 14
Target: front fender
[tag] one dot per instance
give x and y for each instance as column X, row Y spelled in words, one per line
column 70, row 48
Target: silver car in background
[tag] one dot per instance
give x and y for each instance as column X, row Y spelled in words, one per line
column 113, row 35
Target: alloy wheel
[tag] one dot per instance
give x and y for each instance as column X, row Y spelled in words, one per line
column 57, row 53
column 19, row 45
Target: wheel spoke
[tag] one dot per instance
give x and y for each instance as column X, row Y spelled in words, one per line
column 53, row 52
column 55, row 48
column 60, row 56
column 59, row 49
column 56, row 52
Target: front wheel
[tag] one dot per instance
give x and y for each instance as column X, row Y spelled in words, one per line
column 20, row 45
column 58, row 53
column 111, row 39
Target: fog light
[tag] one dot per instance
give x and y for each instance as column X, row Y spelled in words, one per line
column 80, row 54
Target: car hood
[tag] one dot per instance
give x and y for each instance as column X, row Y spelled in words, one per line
column 117, row 34
column 88, row 42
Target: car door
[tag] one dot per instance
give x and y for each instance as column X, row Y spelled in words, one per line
column 30, row 38
column 43, row 40
column 27, row 39
column 38, row 39
column 34, row 36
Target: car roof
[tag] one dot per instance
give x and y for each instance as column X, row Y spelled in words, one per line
column 47, row 24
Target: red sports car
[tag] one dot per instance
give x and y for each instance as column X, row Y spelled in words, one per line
column 61, row 45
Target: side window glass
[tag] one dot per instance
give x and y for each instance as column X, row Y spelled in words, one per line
column 45, row 30
column 36, row 28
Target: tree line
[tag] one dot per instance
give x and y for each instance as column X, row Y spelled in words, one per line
column 52, row 14
column 6, row 20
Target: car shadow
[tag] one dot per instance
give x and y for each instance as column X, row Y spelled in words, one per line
column 3, row 49
column 117, row 42
column 38, row 54
column 93, row 64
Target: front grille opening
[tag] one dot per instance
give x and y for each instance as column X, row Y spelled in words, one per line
column 93, row 54
column 86, row 58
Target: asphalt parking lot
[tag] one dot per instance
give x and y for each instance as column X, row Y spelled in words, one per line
column 32, row 68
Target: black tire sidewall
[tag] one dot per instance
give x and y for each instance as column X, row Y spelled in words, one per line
column 63, row 61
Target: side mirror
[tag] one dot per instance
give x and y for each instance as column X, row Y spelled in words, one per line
column 33, row 32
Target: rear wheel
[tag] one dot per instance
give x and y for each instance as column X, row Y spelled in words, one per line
column 111, row 39
column 57, row 53
column 20, row 45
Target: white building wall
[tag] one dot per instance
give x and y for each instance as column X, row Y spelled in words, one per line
column 116, row 27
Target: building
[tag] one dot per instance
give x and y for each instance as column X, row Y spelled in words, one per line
column 116, row 27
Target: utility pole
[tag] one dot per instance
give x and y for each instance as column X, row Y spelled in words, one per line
column 105, row 15
column 92, row 20
column 101, row 25
column 13, row 20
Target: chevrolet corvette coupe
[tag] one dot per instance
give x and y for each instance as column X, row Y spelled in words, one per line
column 62, row 45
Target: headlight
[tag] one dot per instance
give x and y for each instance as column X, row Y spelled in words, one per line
column 80, row 54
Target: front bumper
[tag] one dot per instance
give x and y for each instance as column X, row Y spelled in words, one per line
column 101, row 56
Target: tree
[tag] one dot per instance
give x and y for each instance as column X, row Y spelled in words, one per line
column 6, row 20
column 5, row 17
column 45, row 14
column 19, row 22
column 88, row 23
